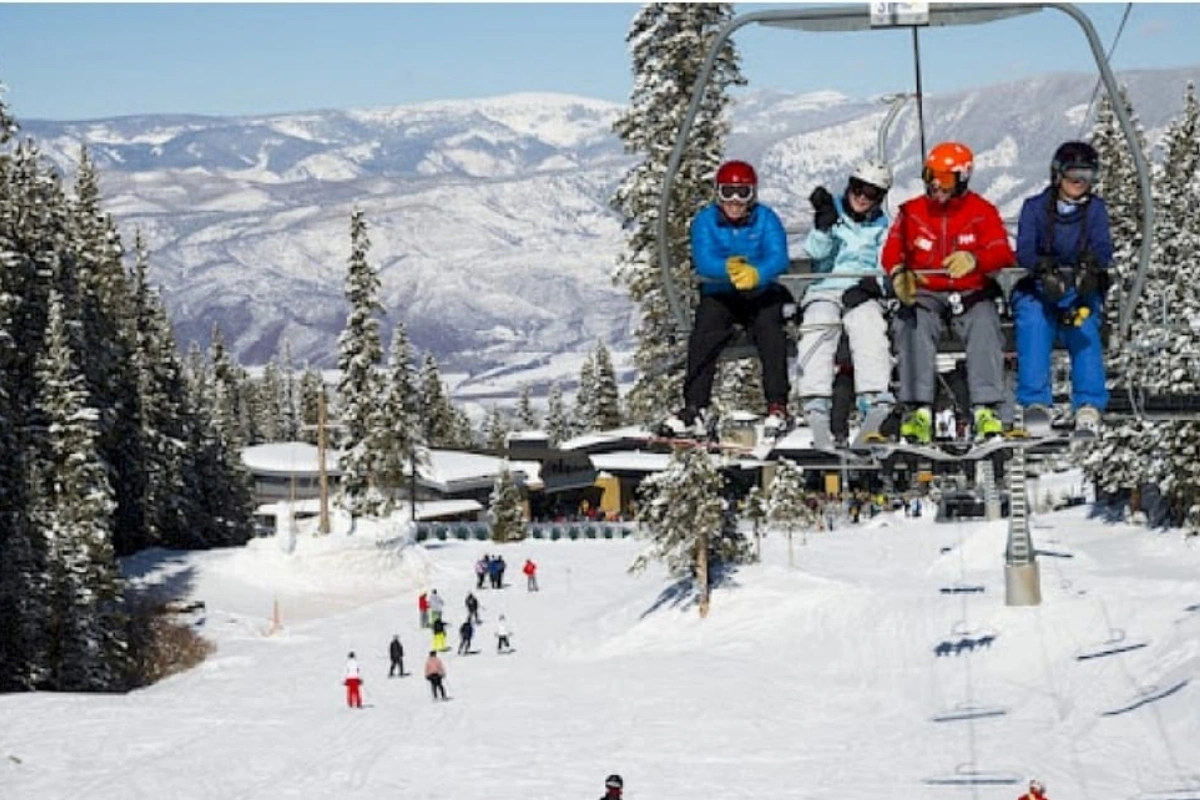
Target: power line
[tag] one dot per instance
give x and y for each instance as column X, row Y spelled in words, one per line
column 1112, row 49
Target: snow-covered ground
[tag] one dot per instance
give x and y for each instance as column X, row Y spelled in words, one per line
column 810, row 682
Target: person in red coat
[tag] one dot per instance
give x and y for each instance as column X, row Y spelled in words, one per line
column 530, row 570
column 423, row 607
column 941, row 251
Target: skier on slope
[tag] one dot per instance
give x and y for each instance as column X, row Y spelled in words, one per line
column 396, row 652
column 352, row 679
column 1036, row 791
column 1063, row 240
column 502, row 633
column 435, row 673
column 613, row 786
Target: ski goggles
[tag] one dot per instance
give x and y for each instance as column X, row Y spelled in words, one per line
column 946, row 181
column 1086, row 175
column 867, row 190
column 735, row 193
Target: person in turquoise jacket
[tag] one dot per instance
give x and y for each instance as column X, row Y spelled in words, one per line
column 847, row 235
column 739, row 250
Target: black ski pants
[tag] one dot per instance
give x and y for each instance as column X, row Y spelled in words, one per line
column 397, row 666
column 435, row 685
column 761, row 314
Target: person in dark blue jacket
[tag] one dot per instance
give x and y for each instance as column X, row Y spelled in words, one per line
column 1063, row 240
column 739, row 249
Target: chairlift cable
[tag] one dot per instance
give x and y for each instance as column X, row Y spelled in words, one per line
column 920, row 93
column 1111, row 49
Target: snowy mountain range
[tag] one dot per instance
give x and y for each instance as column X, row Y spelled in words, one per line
column 489, row 218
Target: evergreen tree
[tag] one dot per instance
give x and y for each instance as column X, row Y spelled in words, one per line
column 86, row 631
column 525, row 414
column 289, row 426
column 681, row 513
column 438, row 419
column 495, row 429
column 506, row 508
column 756, row 511
column 668, row 42
column 606, row 395
column 360, row 353
column 558, row 426
column 786, row 505
column 312, row 387
column 398, row 424
column 585, row 417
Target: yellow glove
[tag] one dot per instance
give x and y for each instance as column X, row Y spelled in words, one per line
column 959, row 263
column 905, row 283
column 742, row 273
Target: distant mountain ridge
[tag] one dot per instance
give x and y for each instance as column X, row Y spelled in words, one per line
column 489, row 218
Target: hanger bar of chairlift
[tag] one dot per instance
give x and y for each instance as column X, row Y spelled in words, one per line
column 858, row 17
column 944, row 14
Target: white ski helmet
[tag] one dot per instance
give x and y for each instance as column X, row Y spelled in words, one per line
column 874, row 173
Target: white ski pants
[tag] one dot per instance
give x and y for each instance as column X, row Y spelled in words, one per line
column 870, row 350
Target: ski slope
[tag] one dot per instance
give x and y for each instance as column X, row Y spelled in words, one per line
column 800, row 683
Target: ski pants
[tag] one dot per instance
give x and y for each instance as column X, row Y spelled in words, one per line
column 917, row 329
column 502, row 643
column 354, row 692
column 397, row 666
column 866, row 330
column 435, row 685
column 1037, row 326
column 439, row 641
column 761, row 314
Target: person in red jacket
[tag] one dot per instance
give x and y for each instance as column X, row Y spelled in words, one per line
column 1036, row 791
column 423, row 607
column 940, row 251
column 530, row 570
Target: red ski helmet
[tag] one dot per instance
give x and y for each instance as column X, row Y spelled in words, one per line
column 736, row 181
column 949, row 166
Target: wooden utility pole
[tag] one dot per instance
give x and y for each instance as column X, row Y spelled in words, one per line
column 323, row 520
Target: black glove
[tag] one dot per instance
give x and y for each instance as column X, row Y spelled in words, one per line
column 1054, row 288
column 866, row 290
column 825, row 212
column 1090, row 279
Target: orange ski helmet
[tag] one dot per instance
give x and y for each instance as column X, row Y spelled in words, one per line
column 949, row 166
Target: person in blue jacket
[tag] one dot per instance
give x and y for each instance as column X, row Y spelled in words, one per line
column 1063, row 240
column 847, row 234
column 739, row 249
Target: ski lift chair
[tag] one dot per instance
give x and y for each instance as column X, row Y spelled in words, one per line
column 914, row 16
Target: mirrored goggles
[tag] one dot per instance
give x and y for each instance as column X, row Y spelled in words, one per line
column 946, row 181
column 735, row 192
column 867, row 190
column 1086, row 175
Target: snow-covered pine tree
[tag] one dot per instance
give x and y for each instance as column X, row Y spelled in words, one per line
column 268, row 400
column 668, row 43
column 585, row 417
column 681, row 513
column 558, row 425
column 506, row 508
column 1121, row 459
column 606, row 394
column 360, row 353
column 88, row 647
column 755, row 510
column 437, row 414
column 397, row 425
column 526, row 416
column 787, row 506
column 495, row 429
column 289, row 424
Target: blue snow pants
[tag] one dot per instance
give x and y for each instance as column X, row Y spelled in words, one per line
column 1037, row 325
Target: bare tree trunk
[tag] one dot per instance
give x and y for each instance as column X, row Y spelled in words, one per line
column 791, row 550
column 702, row 573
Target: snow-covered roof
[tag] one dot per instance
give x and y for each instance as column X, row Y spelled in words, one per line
column 289, row 458
column 457, row 470
column 595, row 438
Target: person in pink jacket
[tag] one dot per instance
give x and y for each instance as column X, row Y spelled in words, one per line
column 435, row 673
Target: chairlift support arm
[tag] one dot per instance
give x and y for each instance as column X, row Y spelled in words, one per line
column 858, row 17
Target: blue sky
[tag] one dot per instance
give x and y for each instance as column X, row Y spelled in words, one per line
column 82, row 61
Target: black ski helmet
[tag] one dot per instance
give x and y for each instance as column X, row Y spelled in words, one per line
column 614, row 782
column 1073, row 155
